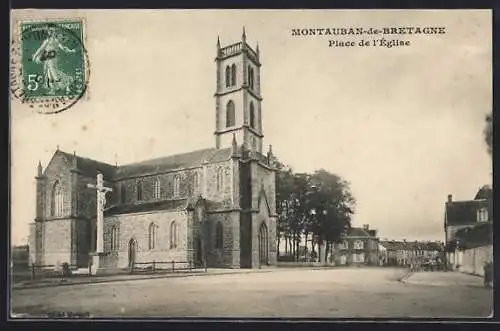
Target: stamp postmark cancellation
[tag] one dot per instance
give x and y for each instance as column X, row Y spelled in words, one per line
column 49, row 64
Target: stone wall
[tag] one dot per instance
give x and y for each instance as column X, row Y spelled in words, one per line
column 229, row 254
column 136, row 226
column 57, row 242
column 473, row 260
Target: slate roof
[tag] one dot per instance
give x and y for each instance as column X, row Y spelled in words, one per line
column 149, row 167
column 173, row 162
column 358, row 232
column 464, row 212
column 91, row 167
column 171, row 205
column 485, row 192
column 395, row 245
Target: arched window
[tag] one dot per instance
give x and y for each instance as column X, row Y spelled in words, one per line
column 220, row 179
column 233, row 74
column 228, row 76
column 252, row 115
column 115, row 242
column 57, row 200
column 173, row 235
column 218, row 235
column 230, row 120
column 153, row 233
column 157, row 188
column 250, row 77
column 138, row 189
column 123, row 194
column 177, row 185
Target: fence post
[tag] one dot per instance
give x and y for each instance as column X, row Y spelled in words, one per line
column 205, row 264
column 154, row 266
column 173, row 266
column 32, row 271
column 190, row 265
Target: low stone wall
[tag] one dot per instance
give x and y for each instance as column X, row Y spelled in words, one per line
column 473, row 260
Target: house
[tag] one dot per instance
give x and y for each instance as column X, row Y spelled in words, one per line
column 403, row 253
column 359, row 247
column 465, row 221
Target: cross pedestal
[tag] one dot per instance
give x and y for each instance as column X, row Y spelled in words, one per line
column 98, row 266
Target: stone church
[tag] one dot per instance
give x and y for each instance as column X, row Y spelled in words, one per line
column 215, row 206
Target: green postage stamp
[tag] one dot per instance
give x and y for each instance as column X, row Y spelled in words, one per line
column 51, row 72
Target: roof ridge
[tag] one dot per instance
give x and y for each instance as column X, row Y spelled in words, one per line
column 83, row 158
column 164, row 157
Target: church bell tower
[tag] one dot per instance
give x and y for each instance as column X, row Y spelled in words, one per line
column 237, row 97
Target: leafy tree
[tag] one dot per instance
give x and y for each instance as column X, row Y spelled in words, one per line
column 333, row 205
column 320, row 205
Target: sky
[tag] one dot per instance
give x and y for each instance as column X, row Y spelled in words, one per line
column 403, row 125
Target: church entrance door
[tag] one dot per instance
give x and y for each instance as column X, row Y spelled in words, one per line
column 263, row 245
column 132, row 250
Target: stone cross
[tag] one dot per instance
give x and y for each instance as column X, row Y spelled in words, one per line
column 101, row 202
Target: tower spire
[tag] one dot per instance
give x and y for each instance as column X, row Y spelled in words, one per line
column 218, row 45
column 234, row 145
column 75, row 165
column 244, row 35
column 39, row 169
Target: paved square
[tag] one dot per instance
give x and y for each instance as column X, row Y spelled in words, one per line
column 356, row 292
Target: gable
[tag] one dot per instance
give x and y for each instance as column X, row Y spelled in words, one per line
column 58, row 165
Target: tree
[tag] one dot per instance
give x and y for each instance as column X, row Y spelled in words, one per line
column 488, row 133
column 333, row 205
column 320, row 205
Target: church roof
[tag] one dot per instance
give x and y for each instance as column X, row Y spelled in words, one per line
column 173, row 162
column 90, row 167
column 180, row 204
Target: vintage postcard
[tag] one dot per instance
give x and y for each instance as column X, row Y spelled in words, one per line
column 251, row 164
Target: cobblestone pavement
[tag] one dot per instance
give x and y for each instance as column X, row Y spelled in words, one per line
column 357, row 292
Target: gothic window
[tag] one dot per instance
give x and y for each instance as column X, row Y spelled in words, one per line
column 252, row 115
column 138, row 189
column 173, row 235
column 218, row 235
column 233, row 75
column 228, row 76
column 230, row 120
column 157, row 188
column 57, row 200
column 114, row 238
column 177, row 185
column 250, row 77
column 343, row 245
column 153, row 235
column 220, row 179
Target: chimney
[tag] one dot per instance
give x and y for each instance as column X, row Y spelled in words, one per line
column 366, row 226
column 450, row 198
